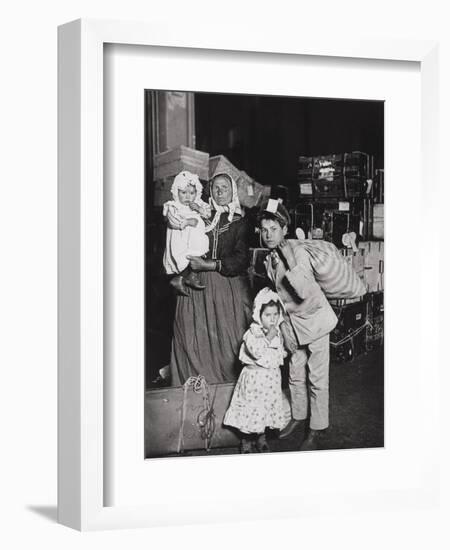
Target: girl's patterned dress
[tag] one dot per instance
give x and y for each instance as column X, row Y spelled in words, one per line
column 258, row 401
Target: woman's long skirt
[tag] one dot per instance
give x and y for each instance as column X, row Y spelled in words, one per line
column 208, row 329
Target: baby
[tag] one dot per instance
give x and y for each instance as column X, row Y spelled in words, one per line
column 185, row 231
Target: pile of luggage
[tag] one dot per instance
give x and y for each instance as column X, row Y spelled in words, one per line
column 168, row 164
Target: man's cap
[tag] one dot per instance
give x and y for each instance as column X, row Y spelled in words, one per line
column 277, row 209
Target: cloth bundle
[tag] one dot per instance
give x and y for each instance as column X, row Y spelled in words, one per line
column 335, row 276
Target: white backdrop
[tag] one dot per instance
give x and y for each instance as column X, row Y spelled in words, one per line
column 28, row 273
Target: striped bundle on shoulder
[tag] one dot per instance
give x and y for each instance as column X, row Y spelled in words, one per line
column 335, row 276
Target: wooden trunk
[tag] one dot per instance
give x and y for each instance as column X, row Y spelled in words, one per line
column 163, row 419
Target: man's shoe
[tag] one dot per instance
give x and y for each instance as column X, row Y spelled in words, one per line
column 291, row 428
column 310, row 443
column 178, row 285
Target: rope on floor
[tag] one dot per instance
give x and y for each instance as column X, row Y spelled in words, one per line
column 206, row 419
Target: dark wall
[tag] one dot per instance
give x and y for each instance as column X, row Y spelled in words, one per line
column 265, row 135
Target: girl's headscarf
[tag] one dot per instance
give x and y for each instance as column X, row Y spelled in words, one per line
column 182, row 180
column 265, row 296
column 233, row 207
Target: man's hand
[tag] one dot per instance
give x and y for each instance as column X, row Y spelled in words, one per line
column 285, row 250
column 200, row 264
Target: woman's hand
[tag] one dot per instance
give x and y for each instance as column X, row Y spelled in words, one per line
column 285, row 249
column 200, row 264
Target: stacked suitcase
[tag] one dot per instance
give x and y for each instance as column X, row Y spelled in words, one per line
column 341, row 194
column 250, row 192
column 168, row 164
column 336, row 191
column 330, row 220
column 336, row 176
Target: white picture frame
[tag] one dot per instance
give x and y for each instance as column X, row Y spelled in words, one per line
column 81, row 362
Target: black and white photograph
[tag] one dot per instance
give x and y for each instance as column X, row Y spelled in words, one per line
column 264, row 274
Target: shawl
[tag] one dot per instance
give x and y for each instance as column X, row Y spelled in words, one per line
column 233, row 207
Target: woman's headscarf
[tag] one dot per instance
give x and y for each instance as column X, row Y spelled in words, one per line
column 182, row 180
column 265, row 296
column 233, row 207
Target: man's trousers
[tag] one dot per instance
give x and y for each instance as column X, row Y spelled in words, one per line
column 308, row 378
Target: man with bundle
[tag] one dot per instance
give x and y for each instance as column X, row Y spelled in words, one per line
column 309, row 319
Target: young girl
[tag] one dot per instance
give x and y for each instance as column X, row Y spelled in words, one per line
column 187, row 235
column 258, row 402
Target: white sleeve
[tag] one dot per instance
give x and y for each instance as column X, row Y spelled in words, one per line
column 260, row 350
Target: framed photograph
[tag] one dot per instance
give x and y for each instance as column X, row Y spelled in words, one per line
column 179, row 367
